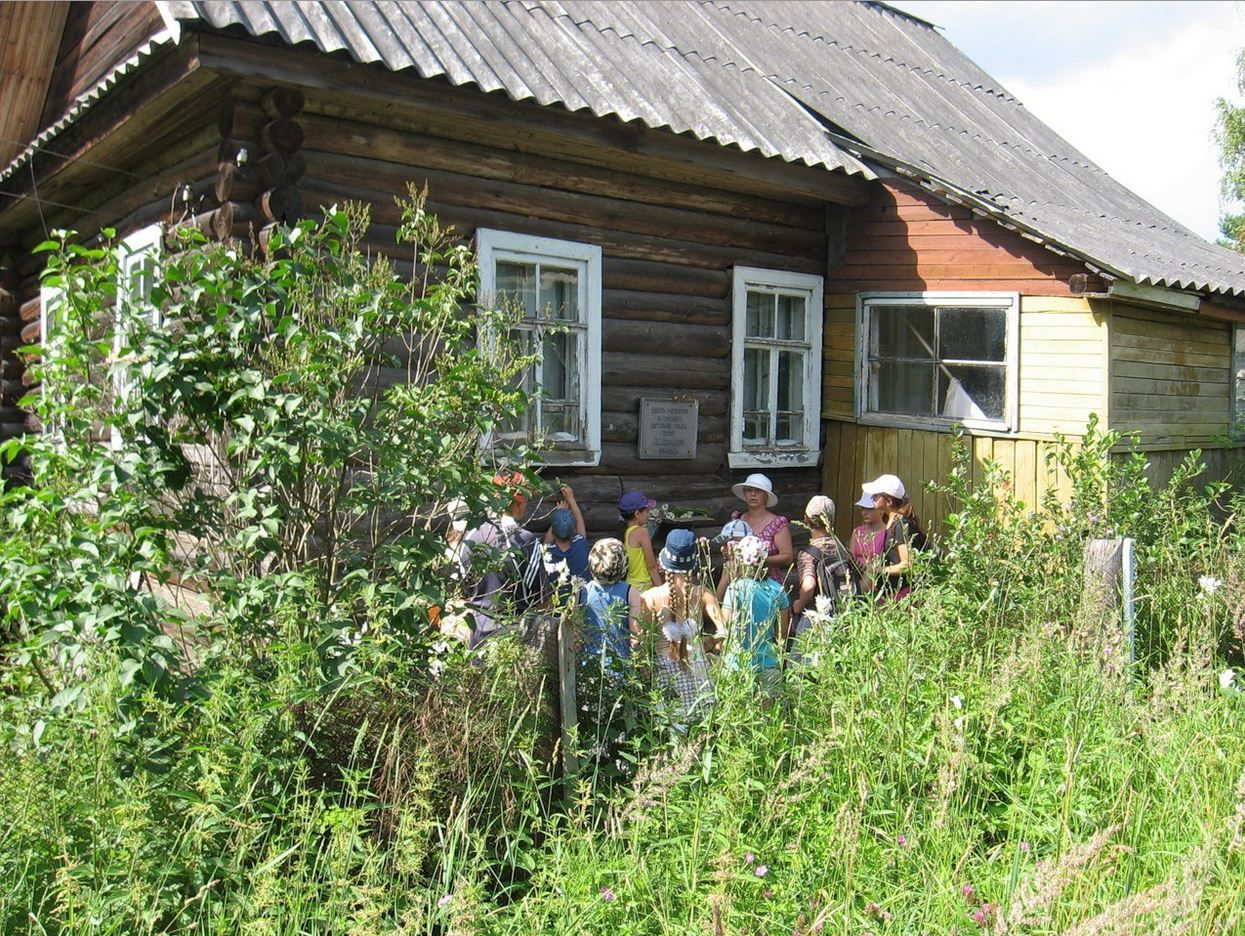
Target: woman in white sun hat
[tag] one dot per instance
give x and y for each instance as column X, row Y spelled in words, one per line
column 757, row 491
column 903, row 535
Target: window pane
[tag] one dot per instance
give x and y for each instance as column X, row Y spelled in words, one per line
column 519, row 426
column 756, row 395
column 791, row 381
column 902, row 387
column 903, row 331
column 516, row 285
column 972, row 334
column 760, row 321
column 559, row 293
column 559, row 373
column 560, row 422
column 972, row 392
column 791, row 318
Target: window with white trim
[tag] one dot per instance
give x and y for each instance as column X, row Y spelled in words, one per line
column 138, row 259
column 775, row 368
column 933, row 360
column 557, row 285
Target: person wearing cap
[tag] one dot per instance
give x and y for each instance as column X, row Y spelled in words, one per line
column 903, row 535
column 509, row 569
column 679, row 610
column 867, row 542
column 824, row 550
column 642, row 569
column 757, row 491
column 566, row 542
column 757, row 612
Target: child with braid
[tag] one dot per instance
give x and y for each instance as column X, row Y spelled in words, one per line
column 679, row 609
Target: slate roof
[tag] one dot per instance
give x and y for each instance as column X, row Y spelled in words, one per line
column 845, row 86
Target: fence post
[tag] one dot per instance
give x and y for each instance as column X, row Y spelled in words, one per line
column 566, row 695
column 1109, row 570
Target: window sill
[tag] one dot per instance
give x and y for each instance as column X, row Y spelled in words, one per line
column 934, row 425
column 791, row 458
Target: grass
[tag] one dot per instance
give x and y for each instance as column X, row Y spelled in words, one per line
column 982, row 759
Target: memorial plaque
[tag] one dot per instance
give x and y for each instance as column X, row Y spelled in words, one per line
column 668, row 428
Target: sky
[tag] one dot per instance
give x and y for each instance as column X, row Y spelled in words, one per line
column 1130, row 84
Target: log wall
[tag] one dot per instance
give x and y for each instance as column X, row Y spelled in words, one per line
column 667, row 253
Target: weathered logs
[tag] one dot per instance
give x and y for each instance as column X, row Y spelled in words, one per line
column 282, row 203
column 241, row 120
column 284, row 136
column 31, row 309
column 30, row 333
column 282, row 102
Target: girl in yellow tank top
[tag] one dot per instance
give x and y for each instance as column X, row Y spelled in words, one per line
column 642, row 568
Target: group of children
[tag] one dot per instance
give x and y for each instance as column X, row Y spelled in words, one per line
column 630, row 590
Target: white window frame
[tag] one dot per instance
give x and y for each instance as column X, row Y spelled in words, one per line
column 52, row 301
column 493, row 246
column 133, row 251
column 868, row 302
column 810, row 288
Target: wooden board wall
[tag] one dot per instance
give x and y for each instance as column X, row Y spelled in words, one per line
column 30, row 35
column 858, row 453
column 97, row 36
column 1170, row 376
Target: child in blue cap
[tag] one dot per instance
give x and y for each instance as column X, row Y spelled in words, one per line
column 566, row 542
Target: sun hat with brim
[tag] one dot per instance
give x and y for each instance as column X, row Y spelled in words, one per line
column 563, row 523
column 761, row 483
column 607, row 561
column 679, row 553
column 887, row 484
column 866, row 501
column 634, row 502
column 734, row 529
column 458, row 511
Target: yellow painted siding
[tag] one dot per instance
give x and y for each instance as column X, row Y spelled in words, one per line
column 1063, row 365
column 1170, row 376
column 856, row 453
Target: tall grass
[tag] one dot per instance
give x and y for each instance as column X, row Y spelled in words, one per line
column 984, row 758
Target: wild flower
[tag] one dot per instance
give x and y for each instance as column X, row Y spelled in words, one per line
column 1025, row 847
column 902, row 840
column 767, row 894
column 749, row 858
column 1208, row 584
column 761, row 870
column 873, row 909
column 445, row 900
column 969, row 893
column 607, row 894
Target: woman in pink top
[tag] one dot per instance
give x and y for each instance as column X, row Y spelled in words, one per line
column 869, row 538
column 757, row 491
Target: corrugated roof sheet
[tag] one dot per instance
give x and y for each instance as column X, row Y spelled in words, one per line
column 771, row 76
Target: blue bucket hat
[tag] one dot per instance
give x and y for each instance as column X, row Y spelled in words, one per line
column 563, row 523
column 679, row 553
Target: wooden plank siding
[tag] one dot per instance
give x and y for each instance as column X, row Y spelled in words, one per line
column 906, row 239
column 1170, row 376
column 30, row 35
column 96, row 37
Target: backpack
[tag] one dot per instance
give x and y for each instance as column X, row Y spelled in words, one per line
column 518, row 577
column 838, row 576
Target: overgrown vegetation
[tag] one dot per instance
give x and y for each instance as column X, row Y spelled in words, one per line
column 299, row 752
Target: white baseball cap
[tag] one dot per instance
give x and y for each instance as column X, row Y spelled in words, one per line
column 887, row 484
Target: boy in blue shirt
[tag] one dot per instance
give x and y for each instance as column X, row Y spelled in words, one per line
column 566, row 541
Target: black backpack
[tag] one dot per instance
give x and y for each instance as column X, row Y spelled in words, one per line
column 838, row 576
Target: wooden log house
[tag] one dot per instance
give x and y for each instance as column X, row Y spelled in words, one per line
column 783, row 241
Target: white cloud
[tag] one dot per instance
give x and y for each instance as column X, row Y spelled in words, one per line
column 1130, row 85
